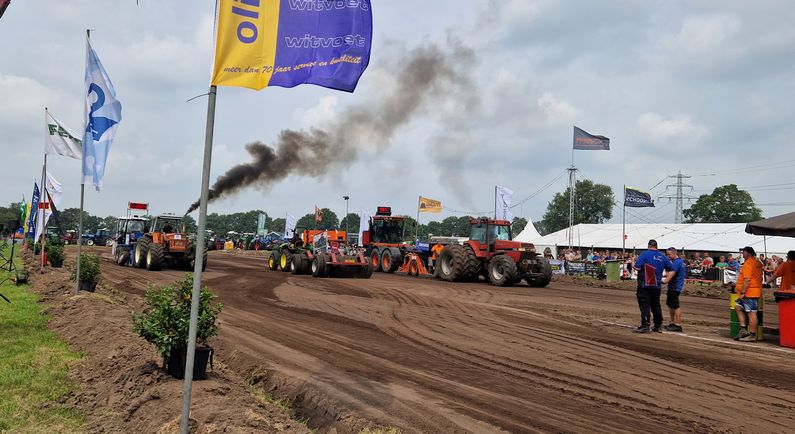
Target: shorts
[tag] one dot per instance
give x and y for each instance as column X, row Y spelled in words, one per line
column 672, row 300
column 748, row 304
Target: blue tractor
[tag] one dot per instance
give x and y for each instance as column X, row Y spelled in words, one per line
column 128, row 231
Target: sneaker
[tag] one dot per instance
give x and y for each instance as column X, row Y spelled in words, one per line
column 671, row 327
column 677, row 328
column 748, row 338
column 641, row 329
column 657, row 329
column 743, row 333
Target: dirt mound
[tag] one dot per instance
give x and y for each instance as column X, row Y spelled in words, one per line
column 121, row 385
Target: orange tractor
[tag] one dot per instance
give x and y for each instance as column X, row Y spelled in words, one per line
column 383, row 240
column 321, row 254
column 166, row 244
column 490, row 252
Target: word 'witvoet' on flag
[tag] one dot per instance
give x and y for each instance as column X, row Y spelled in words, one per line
column 286, row 43
column 503, row 196
column 61, row 140
column 635, row 198
column 590, row 142
column 430, row 205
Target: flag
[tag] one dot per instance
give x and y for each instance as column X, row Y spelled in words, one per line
column 589, row 142
column 503, row 197
column 261, row 224
column 23, row 206
column 34, row 208
column 54, row 190
column 3, row 6
column 51, row 198
column 364, row 223
column 61, row 140
column 318, row 214
column 260, row 43
column 102, row 117
column 289, row 226
column 430, row 205
column 635, row 198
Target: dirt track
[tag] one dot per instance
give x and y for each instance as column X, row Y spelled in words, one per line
column 430, row 356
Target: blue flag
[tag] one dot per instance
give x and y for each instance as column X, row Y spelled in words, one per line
column 590, row 142
column 635, row 198
column 102, row 117
column 34, row 208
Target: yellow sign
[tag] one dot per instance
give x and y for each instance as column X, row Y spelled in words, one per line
column 430, row 205
column 245, row 43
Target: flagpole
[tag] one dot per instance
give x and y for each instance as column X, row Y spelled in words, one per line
column 80, row 235
column 417, row 222
column 198, row 261
column 495, row 202
column 624, row 224
column 46, row 196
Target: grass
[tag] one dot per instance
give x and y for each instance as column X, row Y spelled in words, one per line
column 282, row 403
column 380, row 430
column 34, row 366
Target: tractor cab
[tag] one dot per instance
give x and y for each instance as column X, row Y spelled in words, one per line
column 385, row 229
column 493, row 236
column 167, row 229
column 129, row 229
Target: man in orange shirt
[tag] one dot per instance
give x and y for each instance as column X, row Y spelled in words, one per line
column 786, row 271
column 435, row 251
column 749, row 289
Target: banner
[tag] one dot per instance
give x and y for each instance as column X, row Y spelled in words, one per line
column 590, row 142
column 318, row 214
column 61, row 140
column 364, row 223
column 34, row 208
column 289, row 226
column 261, row 224
column 430, row 205
column 102, row 117
column 503, row 197
column 260, row 43
column 637, row 199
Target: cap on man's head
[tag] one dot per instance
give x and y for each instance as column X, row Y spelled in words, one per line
column 672, row 249
column 791, row 255
column 750, row 250
column 652, row 243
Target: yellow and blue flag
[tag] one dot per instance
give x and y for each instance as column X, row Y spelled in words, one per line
column 261, row 43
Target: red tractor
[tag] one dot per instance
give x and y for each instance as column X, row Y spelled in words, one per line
column 491, row 253
column 383, row 240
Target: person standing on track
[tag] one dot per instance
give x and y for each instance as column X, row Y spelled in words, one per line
column 435, row 251
column 676, row 282
column 749, row 289
column 786, row 271
column 650, row 266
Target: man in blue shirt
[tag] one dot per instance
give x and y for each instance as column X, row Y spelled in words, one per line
column 650, row 266
column 676, row 282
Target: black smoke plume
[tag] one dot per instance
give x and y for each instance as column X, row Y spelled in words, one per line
column 422, row 74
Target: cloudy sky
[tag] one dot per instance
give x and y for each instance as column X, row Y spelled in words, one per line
column 700, row 87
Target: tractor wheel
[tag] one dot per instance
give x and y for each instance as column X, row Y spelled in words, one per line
column 108, row 242
column 450, row 264
column 122, row 256
column 473, row 268
column 502, row 271
column 319, row 266
column 297, row 264
column 273, row 260
column 375, row 259
column 285, row 260
column 89, row 242
column 414, row 269
column 141, row 247
column 545, row 274
column 204, row 260
column 366, row 271
column 390, row 260
column 154, row 257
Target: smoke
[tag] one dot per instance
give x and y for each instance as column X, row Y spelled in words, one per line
column 424, row 73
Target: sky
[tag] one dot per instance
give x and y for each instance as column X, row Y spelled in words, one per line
column 700, row 87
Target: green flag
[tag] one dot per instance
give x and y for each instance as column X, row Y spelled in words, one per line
column 23, row 207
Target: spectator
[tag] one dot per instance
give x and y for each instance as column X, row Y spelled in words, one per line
column 734, row 264
column 786, row 271
column 749, row 289
column 770, row 268
column 650, row 266
column 676, row 282
column 707, row 263
column 722, row 264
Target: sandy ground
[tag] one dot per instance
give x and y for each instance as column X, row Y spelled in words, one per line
column 430, row 356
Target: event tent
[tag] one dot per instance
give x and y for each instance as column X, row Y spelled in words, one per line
column 694, row 237
column 782, row 225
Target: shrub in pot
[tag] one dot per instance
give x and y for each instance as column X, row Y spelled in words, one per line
column 89, row 273
column 166, row 320
column 55, row 254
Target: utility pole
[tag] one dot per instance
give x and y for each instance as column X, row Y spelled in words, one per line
column 680, row 195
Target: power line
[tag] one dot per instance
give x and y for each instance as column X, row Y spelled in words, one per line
column 773, row 166
column 680, row 195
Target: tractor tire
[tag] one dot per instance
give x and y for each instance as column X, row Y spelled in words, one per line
column 390, row 260
column 319, row 266
column 502, row 271
column 451, row 263
column 375, row 259
column 545, row 276
column 273, row 260
column 108, row 242
column 366, row 272
column 297, row 264
column 154, row 257
column 204, row 260
column 122, row 256
column 414, row 269
column 285, row 260
column 141, row 247
column 89, row 242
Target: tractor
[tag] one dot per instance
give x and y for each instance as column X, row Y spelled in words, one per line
column 383, row 240
column 282, row 254
column 330, row 256
column 162, row 245
column 491, row 252
column 128, row 231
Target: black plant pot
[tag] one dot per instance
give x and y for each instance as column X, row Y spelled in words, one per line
column 86, row 285
column 56, row 263
column 175, row 364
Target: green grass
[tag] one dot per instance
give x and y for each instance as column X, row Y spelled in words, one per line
column 34, row 366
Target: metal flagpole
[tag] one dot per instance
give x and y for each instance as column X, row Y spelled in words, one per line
column 417, row 222
column 624, row 225
column 198, row 261
column 79, row 235
column 495, row 202
column 43, row 220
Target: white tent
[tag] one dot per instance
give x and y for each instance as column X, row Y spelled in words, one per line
column 528, row 233
column 694, row 237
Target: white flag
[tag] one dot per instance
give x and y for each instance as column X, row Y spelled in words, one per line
column 503, row 197
column 364, row 224
column 54, row 191
column 61, row 140
column 52, row 195
column 289, row 226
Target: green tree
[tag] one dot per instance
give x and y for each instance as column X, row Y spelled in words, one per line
column 190, row 224
column 593, row 204
column 10, row 213
column 518, row 225
column 275, row 225
column 330, row 221
column 69, row 219
column 726, row 204
column 350, row 221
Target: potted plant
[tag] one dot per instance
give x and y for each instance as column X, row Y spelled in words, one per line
column 89, row 273
column 55, row 254
column 165, row 323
